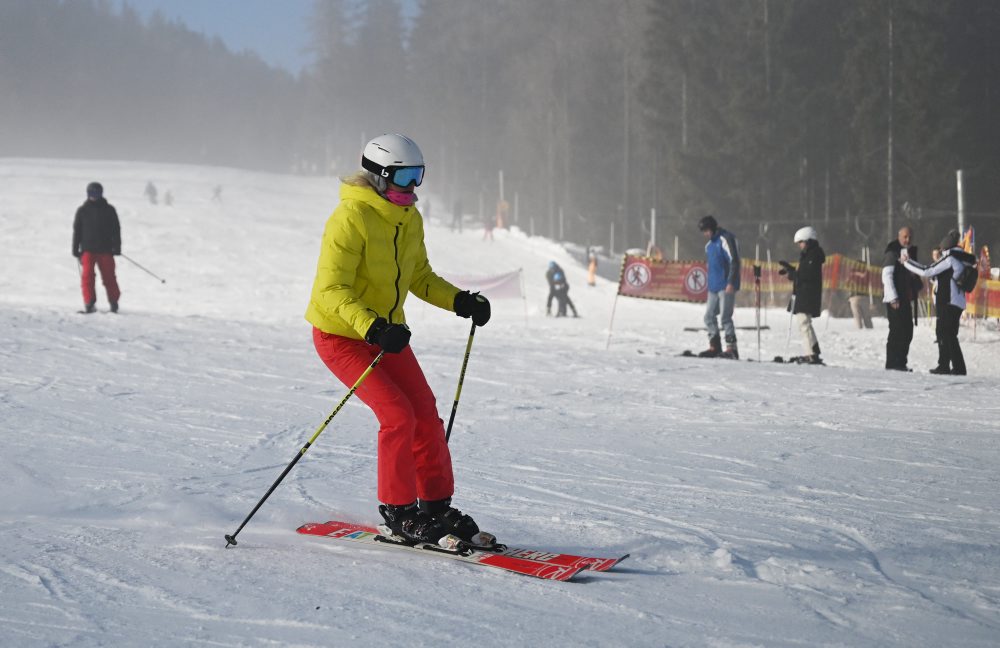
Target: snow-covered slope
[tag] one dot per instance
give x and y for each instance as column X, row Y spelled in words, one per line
column 763, row 505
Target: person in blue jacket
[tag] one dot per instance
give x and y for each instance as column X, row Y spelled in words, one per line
column 722, row 255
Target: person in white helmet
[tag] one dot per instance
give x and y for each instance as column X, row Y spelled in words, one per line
column 372, row 256
column 807, row 291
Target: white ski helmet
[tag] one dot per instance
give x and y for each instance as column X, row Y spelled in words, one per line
column 386, row 155
column 806, row 234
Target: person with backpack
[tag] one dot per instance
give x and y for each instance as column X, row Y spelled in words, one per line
column 371, row 257
column 97, row 240
column 807, row 282
column 956, row 272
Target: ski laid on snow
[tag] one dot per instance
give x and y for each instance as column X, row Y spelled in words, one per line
column 688, row 353
column 540, row 564
column 799, row 360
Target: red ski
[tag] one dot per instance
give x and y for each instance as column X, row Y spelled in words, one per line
column 367, row 535
column 524, row 561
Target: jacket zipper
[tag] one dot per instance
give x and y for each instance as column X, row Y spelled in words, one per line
column 399, row 272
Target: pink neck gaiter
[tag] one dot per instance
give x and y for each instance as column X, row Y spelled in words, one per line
column 401, row 198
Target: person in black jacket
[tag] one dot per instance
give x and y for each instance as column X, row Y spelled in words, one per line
column 807, row 281
column 558, row 289
column 96, row 241
column 900, row 290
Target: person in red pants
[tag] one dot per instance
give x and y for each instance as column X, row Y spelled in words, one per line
column 97, row 240
column 372, row 255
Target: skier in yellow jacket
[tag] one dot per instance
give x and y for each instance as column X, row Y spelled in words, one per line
column 372, row 255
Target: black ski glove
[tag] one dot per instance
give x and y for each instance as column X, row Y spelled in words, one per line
column 472, row 305
column 787, row 269
column 393, row 338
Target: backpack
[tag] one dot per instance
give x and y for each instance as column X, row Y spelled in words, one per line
column 967, row 278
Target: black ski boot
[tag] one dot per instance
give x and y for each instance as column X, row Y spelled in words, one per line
column 731, row 352
column 90, row 308
column 411, row 524
column 714, row 348
column 455, row 522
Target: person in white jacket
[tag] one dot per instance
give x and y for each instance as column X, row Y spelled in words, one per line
column 949, row 301
column 900, row 290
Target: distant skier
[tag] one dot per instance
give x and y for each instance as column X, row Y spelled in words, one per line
column 150, row 192
column 217, row 194
column 591, row 267
column 488, row 222
column 558, row 290
column 372, row 255
column 722, row 255
column 807, row 282
column 456, row 216
column 96, row 241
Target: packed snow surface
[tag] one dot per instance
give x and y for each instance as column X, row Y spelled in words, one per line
column 762, row 504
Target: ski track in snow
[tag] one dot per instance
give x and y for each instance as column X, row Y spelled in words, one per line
column 761, row 504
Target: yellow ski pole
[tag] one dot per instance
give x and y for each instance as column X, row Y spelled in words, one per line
column 461, row 379
column 231, row 539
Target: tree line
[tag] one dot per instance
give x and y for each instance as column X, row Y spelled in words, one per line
column 852, row 116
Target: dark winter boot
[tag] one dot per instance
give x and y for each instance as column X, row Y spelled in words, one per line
column 410, row 523
column 453, row 521
column 714, row 348
column 114, row 307
column 814, row 358
column 90, row 308
column 731, row 351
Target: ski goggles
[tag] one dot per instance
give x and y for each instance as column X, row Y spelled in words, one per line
column 406, row 176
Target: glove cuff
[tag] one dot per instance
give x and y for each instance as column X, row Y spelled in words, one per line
column 375, row 330
column 463, row 304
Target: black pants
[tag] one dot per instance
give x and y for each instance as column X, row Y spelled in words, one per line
column 949, row 352
column 897, row 346
column 563, row 300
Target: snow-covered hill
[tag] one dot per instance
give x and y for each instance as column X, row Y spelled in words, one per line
column 762, row 504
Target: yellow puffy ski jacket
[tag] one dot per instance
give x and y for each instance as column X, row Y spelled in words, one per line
column 372, row 254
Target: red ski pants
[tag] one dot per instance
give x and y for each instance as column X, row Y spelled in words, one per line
column 413, row 457
column 106, row 264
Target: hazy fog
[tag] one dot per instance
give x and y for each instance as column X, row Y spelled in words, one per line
column 769, row 113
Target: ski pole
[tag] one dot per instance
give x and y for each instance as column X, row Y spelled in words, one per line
column 231, row 539
column 791, row 315
column 461, row 379
column 756, row 286
column 144, row 269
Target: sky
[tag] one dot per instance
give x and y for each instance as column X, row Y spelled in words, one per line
column 275, row 31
